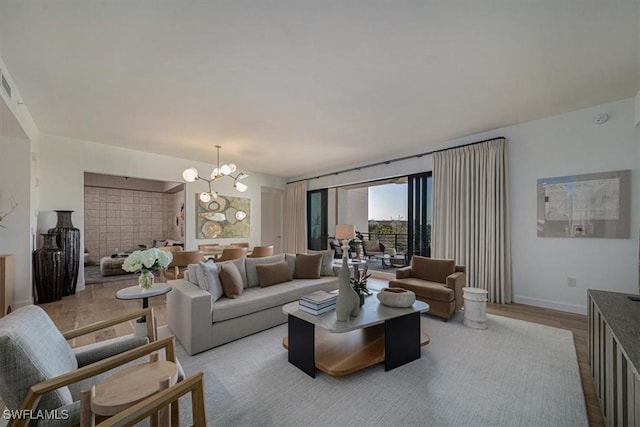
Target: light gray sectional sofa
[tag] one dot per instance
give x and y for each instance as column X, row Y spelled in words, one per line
column 200, row 323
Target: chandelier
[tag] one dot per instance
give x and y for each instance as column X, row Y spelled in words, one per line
column 191, row 175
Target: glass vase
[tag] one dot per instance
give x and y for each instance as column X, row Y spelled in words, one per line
column 146, row 280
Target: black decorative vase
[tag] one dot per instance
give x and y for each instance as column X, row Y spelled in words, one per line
column 69, row 243
column 48, row 266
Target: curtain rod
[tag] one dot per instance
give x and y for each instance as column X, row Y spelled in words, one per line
column 398, row 159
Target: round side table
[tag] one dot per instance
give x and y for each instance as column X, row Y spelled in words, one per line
column 475, row 307
column 136, row 292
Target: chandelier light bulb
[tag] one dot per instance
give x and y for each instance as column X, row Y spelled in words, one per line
column 190, row 174
column 228, row 170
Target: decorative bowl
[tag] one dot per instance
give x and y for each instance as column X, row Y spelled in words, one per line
column 396, row 297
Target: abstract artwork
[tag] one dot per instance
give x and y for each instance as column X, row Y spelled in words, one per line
column 589, row 205
column 224, row 217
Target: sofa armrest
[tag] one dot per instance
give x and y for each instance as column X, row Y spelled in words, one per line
column 189, row 315
column 456, row 281
column 403, row 273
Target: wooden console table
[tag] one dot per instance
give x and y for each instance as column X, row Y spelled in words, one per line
column 614, row 355
column 6, row 284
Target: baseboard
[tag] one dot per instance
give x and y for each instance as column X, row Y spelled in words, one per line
column 538, row 302
column 18, row 304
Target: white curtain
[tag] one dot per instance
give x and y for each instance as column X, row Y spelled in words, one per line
column 471, row 215
column 295, row 218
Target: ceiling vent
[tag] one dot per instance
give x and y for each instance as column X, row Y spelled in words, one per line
column 5, row 85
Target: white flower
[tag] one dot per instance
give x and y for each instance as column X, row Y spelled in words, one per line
column 150, row 259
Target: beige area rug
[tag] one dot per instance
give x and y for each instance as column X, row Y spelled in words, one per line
column 514, row 373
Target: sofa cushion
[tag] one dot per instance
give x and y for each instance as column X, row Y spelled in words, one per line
column 192, row 273
column 432, row 269
column 425, row 289
column 257, row 299
column 308, row 266
column 291, row 260
column 239, row 263
column 231, row 280
column 273, row 273
column 209, row 279
column 251, row 263
column 326, row 268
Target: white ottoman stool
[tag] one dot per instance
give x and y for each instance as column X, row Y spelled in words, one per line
column 475, row 307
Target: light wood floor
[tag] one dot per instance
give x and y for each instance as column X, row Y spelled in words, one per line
column 98, row 302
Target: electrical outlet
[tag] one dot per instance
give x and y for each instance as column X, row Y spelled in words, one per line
column 571, row 282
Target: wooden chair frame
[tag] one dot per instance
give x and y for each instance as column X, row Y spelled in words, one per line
column 35, row 393
column 194, row 384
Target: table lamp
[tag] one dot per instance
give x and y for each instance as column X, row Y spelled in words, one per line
column 345, row 232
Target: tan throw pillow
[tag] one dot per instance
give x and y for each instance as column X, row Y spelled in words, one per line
column 308, row 266
column 231, row 280
column 273, row 273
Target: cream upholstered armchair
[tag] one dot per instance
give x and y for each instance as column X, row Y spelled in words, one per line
column 438, row 282
column 39, row 370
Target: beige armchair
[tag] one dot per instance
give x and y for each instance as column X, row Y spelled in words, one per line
column 438, row 282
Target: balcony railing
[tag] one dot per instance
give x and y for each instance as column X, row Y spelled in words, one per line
column 399, row 241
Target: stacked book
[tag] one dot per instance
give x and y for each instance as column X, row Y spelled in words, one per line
column 318, row 302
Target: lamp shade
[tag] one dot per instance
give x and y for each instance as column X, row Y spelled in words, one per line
column 345, row 231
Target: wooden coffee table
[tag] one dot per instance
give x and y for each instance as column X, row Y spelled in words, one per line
column 378, row 334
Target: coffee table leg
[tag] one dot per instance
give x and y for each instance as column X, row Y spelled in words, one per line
column 302, row 345
column 401, row 340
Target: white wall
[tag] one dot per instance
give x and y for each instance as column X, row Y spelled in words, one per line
column 63, row 162
column 15, row 182
column 565, row 144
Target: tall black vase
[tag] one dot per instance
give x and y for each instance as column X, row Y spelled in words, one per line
column 48, row 266
column 69, row 242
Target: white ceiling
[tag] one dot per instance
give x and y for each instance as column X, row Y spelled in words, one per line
column 290, row 87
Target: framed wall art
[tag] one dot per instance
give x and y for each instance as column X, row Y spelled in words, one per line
column 224, row 217
column 589, row 205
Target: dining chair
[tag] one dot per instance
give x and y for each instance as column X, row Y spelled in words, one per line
column 171, row 248
column 240, row 244
column 232, row 253
column 261, row 251
column 209, row 248
column 179, row 263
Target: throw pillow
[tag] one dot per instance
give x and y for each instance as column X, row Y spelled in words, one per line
column 308, row 266
column 192, row 277
column 250, row 266
column 231, row 280
column 209, row 279
column 326, row 268
column 273, row 273
column 291, row 261
column 239, row 263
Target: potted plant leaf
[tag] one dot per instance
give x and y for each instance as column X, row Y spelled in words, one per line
column 359, row 284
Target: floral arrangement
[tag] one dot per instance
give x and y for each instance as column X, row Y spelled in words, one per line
column 359, row 284
column 147, row 262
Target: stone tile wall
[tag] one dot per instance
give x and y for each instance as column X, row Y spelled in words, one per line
column 118, row 220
